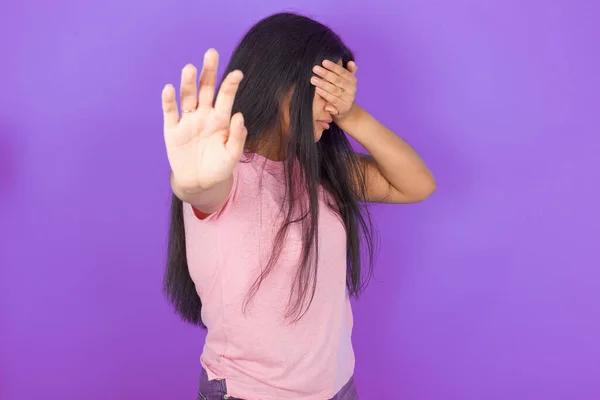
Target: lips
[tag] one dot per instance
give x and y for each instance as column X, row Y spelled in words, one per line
column 324, row 124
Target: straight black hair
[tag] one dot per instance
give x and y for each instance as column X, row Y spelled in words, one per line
column 276, row 56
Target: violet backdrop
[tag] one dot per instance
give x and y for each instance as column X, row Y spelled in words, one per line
column 488, row 290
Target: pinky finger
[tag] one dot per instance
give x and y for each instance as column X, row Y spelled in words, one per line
column 169, row 106
column 237, row 136
column 352, row 67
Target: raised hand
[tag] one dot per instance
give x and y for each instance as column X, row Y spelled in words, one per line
column 337, row 85
column 204, row 143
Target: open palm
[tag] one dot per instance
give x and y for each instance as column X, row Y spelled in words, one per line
column 204, row 143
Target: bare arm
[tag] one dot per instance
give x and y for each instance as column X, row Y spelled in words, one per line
column 394, row 172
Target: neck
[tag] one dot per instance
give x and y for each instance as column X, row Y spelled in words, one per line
column 272, row 148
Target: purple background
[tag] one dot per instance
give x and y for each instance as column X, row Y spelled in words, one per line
column 488, row 290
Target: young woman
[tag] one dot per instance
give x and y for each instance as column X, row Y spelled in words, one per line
column 268, row 210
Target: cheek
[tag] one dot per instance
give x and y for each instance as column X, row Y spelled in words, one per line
column 318, row 105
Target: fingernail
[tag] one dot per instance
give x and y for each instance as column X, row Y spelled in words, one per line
column 317, row 69
column 236, row 75
column 314, row 80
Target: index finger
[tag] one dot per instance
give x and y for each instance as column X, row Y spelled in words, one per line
column 169, row 106
column 226, row 95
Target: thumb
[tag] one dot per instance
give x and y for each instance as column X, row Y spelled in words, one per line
column 237, row 136
column 332, row 110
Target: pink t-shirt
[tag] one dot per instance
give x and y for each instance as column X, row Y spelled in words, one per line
column 261, row 354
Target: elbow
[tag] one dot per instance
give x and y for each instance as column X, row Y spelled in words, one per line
column 431, row 185
column 417, row 190
column 425, row 189
column 430, row 188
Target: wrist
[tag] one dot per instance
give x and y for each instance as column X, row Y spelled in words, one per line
column 349, row 119
column 183, row 189
column 350, row 115
column 206, row 197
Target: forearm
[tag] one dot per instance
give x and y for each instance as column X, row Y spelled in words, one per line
column 397, row 161
column 204, row 200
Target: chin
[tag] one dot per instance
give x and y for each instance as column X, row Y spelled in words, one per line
column 318, row 135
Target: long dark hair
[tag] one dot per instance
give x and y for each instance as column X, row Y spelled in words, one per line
column 276, row 57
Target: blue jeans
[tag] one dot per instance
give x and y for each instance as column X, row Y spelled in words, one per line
column 217, row 390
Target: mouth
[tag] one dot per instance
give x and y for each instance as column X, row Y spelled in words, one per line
column 324, row 124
